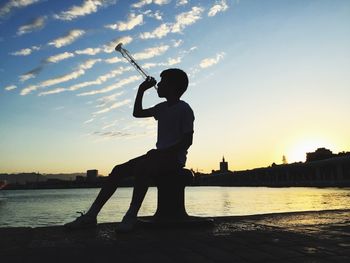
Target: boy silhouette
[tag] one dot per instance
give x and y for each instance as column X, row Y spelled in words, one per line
column 175, row 132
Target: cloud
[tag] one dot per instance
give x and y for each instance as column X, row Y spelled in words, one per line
column 187, row 18
column 113, row 106
column 64, row 78
column 11, row 87
column 133, row 21
column 89, row 120
column 111, row 134
column 101, row 79
column 88, row 51
column 59, row 57
column 208, row 62
column 108, row 99
column 182, row 20
column 159, row 32
column 12, row 4
column 98, row 81
column 72, row 36
column 88, row 7
column 25, row 51
column 36, row 24
column 218, row 7
column 117, row 85
column 114, row 60
column 181, row 2
column 30, row 74
column 54, row 91
column 178, row 43
column 174, row 61
column 156, row 15
column 147, row 2
column 151, row 52
column 109, row 48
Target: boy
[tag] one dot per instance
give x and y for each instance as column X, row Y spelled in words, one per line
column 175, row 132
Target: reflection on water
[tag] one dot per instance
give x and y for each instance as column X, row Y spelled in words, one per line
column 55, row 207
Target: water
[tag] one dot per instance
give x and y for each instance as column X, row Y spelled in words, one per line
column 55, row 207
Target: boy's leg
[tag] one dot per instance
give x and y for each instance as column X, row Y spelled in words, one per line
column 110, row 186
column 90, row 218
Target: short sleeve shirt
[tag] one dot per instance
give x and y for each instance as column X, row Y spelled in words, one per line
column 173, row 122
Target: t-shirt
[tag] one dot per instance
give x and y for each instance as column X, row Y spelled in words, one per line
column 173, row 122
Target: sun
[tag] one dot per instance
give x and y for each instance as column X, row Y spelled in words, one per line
column 298, row 150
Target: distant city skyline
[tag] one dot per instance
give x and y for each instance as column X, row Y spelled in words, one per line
column 267, row 79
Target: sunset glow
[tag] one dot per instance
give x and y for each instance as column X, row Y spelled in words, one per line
column 267, row 79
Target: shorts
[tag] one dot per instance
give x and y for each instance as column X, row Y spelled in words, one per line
column 152, row 164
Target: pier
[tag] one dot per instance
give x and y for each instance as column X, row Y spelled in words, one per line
column 318, row 236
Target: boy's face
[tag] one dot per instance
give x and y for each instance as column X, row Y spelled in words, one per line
column 164, row 88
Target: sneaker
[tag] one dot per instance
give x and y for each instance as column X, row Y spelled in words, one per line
column 83, row 221
column 127, row 224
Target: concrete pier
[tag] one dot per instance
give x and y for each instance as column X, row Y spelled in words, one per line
column 320, row 236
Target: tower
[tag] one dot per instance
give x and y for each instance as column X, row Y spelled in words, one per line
column 223, row 165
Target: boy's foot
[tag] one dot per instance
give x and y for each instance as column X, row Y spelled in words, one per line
column 127, row 224
column 83, row 221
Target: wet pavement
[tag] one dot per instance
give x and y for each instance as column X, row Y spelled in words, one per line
column 322, row 236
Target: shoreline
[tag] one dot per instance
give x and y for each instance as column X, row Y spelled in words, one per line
column 309, row 236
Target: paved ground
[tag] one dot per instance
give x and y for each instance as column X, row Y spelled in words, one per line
column 322, row 236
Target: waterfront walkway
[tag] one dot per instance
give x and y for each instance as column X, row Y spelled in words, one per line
column 322, row 236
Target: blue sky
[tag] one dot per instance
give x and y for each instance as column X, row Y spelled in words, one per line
column 267, row 78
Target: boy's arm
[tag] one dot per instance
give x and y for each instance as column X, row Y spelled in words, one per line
column 139, row 112
column 183, row 144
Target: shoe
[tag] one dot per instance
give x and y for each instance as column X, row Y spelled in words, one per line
column 83, row 221
column 127, row 224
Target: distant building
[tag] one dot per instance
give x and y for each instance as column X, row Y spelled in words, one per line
column 223, row 165
column 91, row 175
column 80, row 178
column 319, row 154
column 223, row 168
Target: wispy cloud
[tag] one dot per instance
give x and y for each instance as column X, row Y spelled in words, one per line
column 98, row 81
column 13, row 4
column 117, row 85
column 133, row 21
column 208, row 62
column 156, row 15
column 182, row 20
column 109, row 48
column 88, row 7
column 64, row 78
column 36, row 24
column 113, row 106
column 177, row 43
column 104, row 101
column 101, row 79
column 187, row 18
column 54, row 91
column 72, row 36
column 25, row 51
column 147, row 2
column 89, row 51
column 89, row 121
column 59, row 57
column 30, row 74
column 218, row 7
column 151, row 52
column 11, row 87
column 181, row 2
column 160, row 32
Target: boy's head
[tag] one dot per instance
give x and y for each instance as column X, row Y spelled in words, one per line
column 174, row 81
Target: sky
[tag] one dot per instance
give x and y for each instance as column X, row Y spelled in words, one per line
column 267, row 79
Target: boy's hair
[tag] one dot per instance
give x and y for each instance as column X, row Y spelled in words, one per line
column 178, row 79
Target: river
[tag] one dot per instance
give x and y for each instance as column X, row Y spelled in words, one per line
column 33, row 208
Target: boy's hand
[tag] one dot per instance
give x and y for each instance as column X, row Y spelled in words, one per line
column 147, row 84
